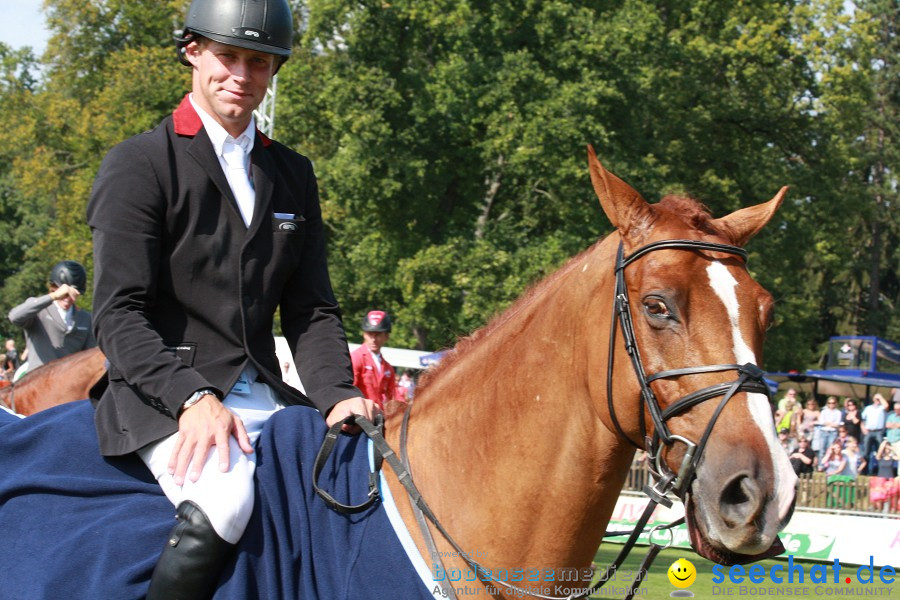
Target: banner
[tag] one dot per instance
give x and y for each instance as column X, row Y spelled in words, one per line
column 811, row 535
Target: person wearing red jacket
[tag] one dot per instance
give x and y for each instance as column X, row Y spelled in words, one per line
column 371, row 372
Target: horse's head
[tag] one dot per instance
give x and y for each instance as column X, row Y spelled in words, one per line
column 697, row 315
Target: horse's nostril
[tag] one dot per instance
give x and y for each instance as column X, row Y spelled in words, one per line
column 740, row 501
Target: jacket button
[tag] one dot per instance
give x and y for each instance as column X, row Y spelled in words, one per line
column 248, row 299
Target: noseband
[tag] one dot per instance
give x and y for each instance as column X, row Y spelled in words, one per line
column 750, row 379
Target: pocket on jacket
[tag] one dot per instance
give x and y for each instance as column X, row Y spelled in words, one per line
column 295, row 226
column 186, row 351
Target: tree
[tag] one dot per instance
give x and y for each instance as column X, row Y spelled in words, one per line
column 452, row 136
column 851, row 262
column 96, row 91
column 449, row 140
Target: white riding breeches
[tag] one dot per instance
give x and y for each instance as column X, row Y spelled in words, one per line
column 226, row 498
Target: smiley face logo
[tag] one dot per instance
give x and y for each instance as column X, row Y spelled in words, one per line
column 682, row 573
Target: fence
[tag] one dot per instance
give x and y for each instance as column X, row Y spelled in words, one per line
column 818, row 490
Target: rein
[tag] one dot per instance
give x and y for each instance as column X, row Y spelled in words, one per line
column 750, row 379
column 382, row 449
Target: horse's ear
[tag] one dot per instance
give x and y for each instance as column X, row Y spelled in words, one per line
column 624, row 207
column 743, row 224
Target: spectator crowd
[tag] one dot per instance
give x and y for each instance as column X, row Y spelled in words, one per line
column 845, row 439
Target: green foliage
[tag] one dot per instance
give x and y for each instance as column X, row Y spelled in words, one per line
column 449, row 139
column 98, row 89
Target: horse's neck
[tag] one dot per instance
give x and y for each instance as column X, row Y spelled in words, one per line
column 506, row 444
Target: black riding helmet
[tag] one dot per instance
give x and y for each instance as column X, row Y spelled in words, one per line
column 376, row 321
column 263, row 25
column 69, row 272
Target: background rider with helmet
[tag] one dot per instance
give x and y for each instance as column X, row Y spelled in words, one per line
column 54, row 325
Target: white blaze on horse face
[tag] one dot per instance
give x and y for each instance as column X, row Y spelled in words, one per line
column 724, row 284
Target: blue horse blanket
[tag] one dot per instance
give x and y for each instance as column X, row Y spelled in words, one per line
column 76, row 525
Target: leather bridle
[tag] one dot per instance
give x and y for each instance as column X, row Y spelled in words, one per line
column 750, row 379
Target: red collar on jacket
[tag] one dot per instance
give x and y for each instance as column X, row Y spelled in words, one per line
column 187, row 121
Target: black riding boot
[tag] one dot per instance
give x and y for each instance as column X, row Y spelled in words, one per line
column 192, row 560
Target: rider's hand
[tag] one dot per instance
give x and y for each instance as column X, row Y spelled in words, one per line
column 352, row 406
column 207, row 423
column 65, row 290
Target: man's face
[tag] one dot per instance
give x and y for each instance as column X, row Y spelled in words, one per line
column 374, row 340
column 229, row 82
column 897, row 407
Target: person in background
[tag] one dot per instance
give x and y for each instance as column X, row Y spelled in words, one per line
column 405, row 387
column 830, row 419
column 790, row 395
column 892, row 428
column 874, row 417
column 203, row 230
column 371, row 372
column 289, row 375
column 884, row 487
column 787, row 440
column 834, row 461
column 10, row 361
column 854, row 463
column 803, row 459
column 54, row 325
column 12, row 355
column 789, row 417
column 842, row 437
column 852, row 418
column 808, row 426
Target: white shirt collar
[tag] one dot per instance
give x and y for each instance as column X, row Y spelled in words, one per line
column 65, row 313
column 217, row 134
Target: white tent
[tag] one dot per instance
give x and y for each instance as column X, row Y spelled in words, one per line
column 400, row 358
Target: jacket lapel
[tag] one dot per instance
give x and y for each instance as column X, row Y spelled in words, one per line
column 187, row 123
column 264, row 174
column 201, row 150
column 56, row 317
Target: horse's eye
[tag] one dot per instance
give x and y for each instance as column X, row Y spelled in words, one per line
column 656, row 308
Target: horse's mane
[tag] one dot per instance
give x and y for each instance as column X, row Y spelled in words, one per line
column 688, row 210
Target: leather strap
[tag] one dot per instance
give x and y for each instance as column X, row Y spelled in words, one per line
column 325, row 452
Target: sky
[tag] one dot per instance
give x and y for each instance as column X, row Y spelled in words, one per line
column 23, row 25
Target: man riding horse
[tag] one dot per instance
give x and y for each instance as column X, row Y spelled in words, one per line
column 54, row 325
column 202, row 228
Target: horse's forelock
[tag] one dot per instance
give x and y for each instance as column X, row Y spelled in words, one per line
column 688, row 210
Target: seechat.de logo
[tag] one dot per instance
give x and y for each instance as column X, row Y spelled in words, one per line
column 819, row 573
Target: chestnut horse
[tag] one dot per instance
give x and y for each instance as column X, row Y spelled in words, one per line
column 63, row 380
column 521, row 438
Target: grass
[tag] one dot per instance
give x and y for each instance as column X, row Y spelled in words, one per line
column 656, row 584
